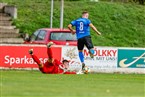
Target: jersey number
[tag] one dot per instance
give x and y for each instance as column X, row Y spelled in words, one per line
column 81, row 26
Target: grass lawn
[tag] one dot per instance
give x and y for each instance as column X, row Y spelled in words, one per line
column 14, row 83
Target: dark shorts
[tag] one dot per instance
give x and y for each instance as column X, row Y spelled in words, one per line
column 85, row 41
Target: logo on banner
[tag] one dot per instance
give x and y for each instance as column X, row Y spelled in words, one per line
column 21, row 60
column 71, row 53
column 102, row 54
column 131, row 58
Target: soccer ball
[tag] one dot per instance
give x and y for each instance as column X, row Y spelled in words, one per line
column 86, row 70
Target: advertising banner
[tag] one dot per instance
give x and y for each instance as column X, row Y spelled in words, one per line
column 104, row 57
column 131, row 58
column 18, row 56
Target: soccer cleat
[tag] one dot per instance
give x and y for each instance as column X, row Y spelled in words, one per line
column 31, row 51
column 91, row 51
column 49, row 44
column 80, row 72
column 91, row 55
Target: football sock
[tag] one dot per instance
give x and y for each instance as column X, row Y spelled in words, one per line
column 36, row 59
column 49, row 53
column 83, row 65
column 81, row 56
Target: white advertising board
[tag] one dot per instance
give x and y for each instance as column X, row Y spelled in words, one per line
column 104, row 58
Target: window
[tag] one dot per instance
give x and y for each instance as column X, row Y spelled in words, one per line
column 38, row 35
column 62, row 36
column 41, row 35
column 33, row 37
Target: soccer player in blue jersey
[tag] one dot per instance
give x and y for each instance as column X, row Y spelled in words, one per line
column 82, row 31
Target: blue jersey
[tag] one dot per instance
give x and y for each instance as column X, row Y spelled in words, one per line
column 82, row 27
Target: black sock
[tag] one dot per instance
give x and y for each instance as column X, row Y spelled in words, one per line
column 83, row 65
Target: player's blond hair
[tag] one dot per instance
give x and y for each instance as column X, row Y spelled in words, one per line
column 84, row 12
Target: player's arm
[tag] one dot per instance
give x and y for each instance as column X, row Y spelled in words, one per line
column 71, row 29
column 63, row 68
column 94, row 28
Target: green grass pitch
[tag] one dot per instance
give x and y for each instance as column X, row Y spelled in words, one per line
column 16, row 83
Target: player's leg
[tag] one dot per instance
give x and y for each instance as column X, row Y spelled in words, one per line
column 89, row 45
column 35, row 58
column 49, row 52
column 80, row 45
